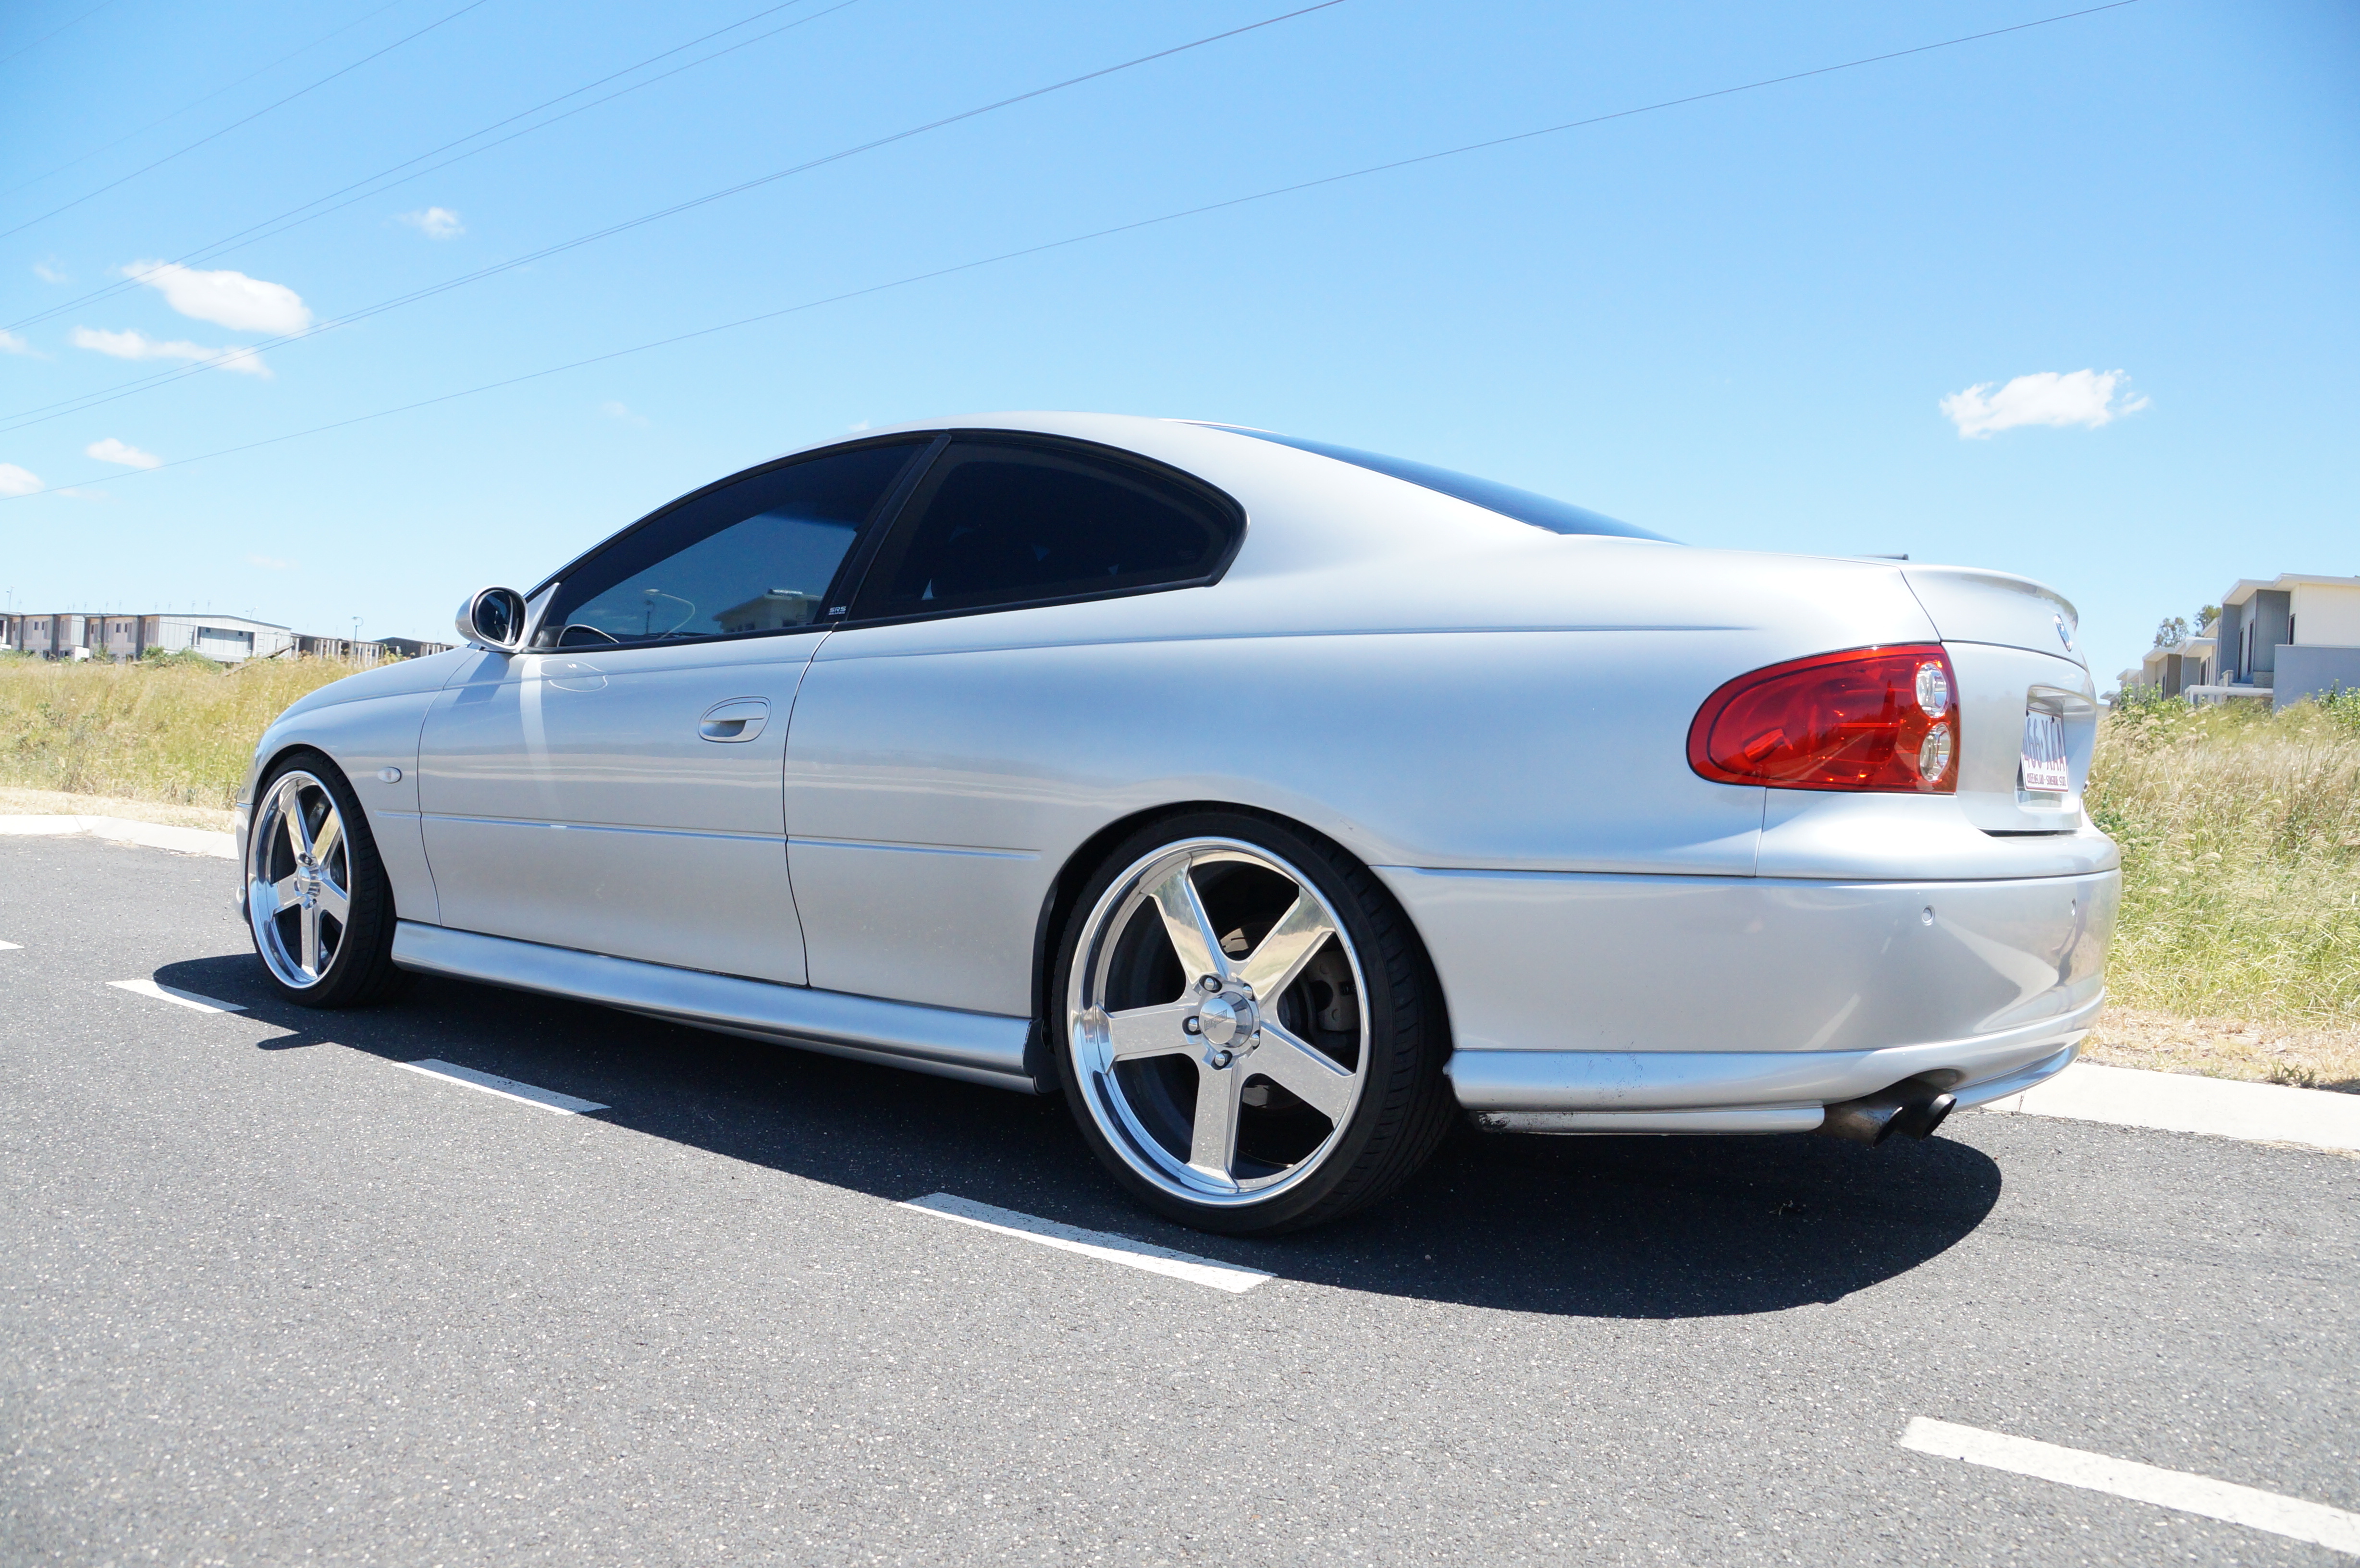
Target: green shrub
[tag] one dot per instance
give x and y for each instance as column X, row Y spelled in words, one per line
column 180, row 658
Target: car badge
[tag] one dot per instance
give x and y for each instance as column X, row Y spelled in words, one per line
column 2062, row 635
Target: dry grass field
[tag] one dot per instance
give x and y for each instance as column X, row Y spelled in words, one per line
column 178, row 732
column 2238, row 953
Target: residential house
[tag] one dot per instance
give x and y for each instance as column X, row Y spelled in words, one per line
column 2294, row 638
column 2173, row 671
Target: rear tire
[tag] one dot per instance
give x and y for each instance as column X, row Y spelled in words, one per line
column 1247, row 1028
column 318, row 904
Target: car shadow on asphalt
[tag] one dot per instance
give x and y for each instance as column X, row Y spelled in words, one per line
column 1622, row 1228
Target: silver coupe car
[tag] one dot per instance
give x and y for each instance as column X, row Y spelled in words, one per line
column 1275, row 802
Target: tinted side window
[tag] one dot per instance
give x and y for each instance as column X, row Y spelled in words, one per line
column 754, row 556
column 1002, row 523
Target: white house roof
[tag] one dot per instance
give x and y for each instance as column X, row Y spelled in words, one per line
column 2189, row 647
column 2247, row 586
column 235, row 623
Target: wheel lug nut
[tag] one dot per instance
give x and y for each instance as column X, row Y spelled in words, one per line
column 1192, row 1026
column 1209, row 983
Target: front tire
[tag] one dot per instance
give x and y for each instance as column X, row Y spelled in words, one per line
column 317, row 901
column 1248, row 1031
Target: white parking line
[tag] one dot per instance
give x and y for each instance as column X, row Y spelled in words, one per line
column 2314, row 1522
column 1097, row 1244
column 10, row 946
column 505, row 1088
column 178, row 997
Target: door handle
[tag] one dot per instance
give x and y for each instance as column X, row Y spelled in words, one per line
column 740, row 718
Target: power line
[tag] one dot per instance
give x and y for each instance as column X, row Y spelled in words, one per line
column 1275, row 191
column 208, row 98
column 24, row 418
column 250, row 119
column 53, row 32
column 295, row 216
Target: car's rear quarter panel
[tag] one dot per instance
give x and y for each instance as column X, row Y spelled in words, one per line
column 997, row 764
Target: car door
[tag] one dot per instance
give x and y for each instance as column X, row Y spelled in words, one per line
column 921, row 838
column 615, row 787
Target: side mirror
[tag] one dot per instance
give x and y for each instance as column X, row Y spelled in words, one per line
column 495, row 618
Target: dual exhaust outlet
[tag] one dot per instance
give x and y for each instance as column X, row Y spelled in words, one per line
column 1905, row 1107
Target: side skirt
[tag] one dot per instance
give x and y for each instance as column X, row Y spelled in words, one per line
column 975, row 1048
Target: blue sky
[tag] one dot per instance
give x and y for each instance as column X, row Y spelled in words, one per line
column 1735, row 322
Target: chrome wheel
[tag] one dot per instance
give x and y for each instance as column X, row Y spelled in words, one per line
column 1216, row 1021
column 298, row 880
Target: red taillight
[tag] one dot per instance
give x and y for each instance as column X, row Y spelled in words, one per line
column 1874, row 718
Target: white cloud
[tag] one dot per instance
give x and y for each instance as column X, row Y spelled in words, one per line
column 50, row 272
column 231, row 300
column 614, row 410
column 139, row 345
column 11, row 344
column 82, row 494
column 434, row 223
column 123, row 453
column 271, row 561
column 2085, row 398
column 15, row 481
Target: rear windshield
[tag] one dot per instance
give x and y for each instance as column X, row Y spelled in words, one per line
column 1540, row 511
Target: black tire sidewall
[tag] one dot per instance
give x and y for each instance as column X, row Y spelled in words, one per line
column 360, row 955
column 1323, row 1194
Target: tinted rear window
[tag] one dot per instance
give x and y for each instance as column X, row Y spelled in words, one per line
column 999, row 523
column 1540, row 511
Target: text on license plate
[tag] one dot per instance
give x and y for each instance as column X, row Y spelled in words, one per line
column 2044, row 755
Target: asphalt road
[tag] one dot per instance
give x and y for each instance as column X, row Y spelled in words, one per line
column 265, row 1297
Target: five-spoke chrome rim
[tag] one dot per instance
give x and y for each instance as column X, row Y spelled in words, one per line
column 298, row 880
column 1216, row 1017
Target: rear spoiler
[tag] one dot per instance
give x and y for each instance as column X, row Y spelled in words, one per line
column 1969, row 604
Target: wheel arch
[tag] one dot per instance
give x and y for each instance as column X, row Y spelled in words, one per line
column 373, row 744
column 1077, row 869
column 268, row 763
column 270, row 758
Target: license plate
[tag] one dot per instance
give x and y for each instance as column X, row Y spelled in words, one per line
column 2045, row 772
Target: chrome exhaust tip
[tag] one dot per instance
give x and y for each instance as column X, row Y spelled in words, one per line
column 1905, row 1107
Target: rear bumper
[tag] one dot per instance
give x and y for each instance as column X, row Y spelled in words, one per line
column 1729, row 1003
column 1570, row 1092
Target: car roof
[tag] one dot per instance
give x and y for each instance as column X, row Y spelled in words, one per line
column 1280, row 481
